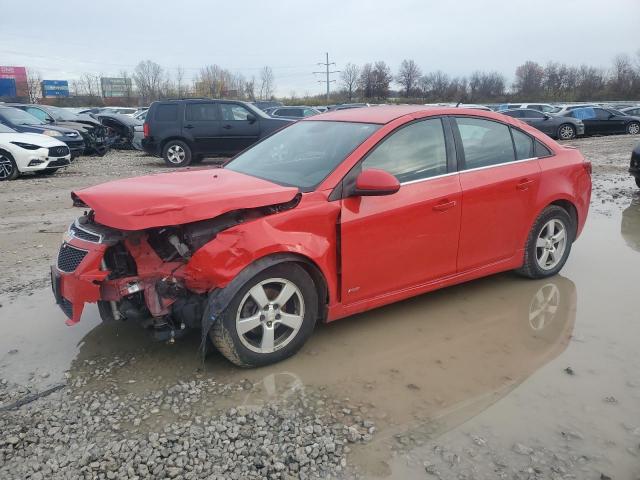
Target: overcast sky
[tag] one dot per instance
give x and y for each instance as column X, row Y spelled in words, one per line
column 64, row 39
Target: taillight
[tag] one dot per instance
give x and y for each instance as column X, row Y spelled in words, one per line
column 145, row 129
column 587, row 167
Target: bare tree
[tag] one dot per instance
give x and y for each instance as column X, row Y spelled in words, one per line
column 366, row 81
column 34, row 85
column 349, row 79
column 381, row 80
column 529, row 80
column 267, row 83
column 408, row 76
column 180, row 87
column 149, row 78
column 250, row 89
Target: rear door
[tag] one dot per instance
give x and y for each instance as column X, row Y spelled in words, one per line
column 202, row 127
column 237, row 130
column 394, row 242
column 499, row 183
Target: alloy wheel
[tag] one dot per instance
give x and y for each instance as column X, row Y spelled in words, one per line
column 270, row 315
column 551, row 244
column 544, row 306
column 176, row 154
column 634, row 128
column 6, row 167
column 567, row 132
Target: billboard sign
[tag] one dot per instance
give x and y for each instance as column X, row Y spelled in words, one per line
column 55, row 88
column 19, row 75
column 115, row 86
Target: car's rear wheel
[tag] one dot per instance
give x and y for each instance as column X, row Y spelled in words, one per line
column 176, row 153
column 8, row 168
column 633, row 128
column 548, row 244
column 269, row 318
column 566, row 131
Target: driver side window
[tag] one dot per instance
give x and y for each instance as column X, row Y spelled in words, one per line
column 414, row 152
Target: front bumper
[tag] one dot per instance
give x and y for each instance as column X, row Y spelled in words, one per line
column 151, row 147
column 39, row 160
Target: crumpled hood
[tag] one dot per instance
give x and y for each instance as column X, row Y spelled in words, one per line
column 179, row 197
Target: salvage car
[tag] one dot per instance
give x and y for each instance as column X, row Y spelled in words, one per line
column 605, row 121
column 185, row 131
column 121, row 130
column 30, row 153
column 563, row 128
column 91, row 130
column 23, row 122
column 634, row 166
column 331, row 216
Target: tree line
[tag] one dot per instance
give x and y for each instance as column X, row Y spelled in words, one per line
column 376, row 82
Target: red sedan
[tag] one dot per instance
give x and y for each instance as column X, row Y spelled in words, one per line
column 331, row 216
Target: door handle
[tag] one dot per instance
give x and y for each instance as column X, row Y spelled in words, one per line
column 188, row 126
column 227, row 127
column 524, row 184
column 444, row 205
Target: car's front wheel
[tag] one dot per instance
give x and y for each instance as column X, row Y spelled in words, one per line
column 566, row 132
column 269, row 318
column 548, row 244
column 633, row 128
column 8, row 168
column 176, row 153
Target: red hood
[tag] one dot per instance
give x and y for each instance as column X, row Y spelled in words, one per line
column 179, row 197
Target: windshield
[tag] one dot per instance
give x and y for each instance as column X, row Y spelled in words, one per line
column 303, row 154
column 5, row 129
column 62, row 114
column 20, row 117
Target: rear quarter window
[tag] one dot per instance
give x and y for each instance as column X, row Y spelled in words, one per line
column 166, row 113
column 523, row 144
column 540, row 150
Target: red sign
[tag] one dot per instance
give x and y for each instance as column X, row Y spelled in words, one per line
column 19, row 74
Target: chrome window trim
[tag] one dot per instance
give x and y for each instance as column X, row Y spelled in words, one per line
column 410, row 182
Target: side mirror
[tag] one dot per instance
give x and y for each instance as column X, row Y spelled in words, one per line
column 374, row 182
column 251, row 118
column 546, row 117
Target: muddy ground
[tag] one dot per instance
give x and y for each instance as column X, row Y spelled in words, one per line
column 498, row 378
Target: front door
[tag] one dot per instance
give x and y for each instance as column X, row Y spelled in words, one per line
column 499, row 180
column 394, row 242
column 237, row 130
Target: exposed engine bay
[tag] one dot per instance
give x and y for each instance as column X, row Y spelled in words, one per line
column 140, row 275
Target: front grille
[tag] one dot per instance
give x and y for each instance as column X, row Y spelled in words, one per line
column 62, row 162
column 67, row 307
column 60, row 151
column 83, row 234
column 70, row 257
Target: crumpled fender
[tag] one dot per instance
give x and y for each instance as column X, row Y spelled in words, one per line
column 309, row 230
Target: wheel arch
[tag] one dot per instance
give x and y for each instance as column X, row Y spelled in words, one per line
column 571, row 209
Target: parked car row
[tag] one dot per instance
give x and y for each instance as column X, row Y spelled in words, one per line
column 82, row 134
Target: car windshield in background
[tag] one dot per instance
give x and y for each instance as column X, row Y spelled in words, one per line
column 61, row 114
column 20, row 117
column 5, row 129
column 303, row 154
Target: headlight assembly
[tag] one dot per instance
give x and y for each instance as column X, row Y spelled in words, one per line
column 26, row 146
column 52, row 133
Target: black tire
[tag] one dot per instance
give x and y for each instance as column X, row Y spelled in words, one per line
column 566, row 131
column 531, row 267
column 176, row 153
column 638, row 181
column 224, row 334
column 633, row 128
column 8, row 167
column 48, row 171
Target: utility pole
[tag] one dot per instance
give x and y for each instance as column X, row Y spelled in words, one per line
column 327, row 72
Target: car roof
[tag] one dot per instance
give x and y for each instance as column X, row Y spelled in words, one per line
column 388, row 113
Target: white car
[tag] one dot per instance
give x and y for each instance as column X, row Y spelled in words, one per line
column 30, row 152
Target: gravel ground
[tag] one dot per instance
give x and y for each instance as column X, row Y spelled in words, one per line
column 97, row 426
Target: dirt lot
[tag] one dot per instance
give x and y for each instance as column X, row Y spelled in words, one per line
column 497, row 378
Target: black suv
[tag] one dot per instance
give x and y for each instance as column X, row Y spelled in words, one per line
column 185, row 131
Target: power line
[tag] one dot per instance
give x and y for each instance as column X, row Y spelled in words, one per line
column 328, row 81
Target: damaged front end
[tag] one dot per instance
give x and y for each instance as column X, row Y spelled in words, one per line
column 141, row 275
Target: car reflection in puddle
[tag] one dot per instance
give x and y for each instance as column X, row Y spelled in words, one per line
column 423, row 365
column 630, row 225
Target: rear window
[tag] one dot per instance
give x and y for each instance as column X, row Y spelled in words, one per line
column 199, row 112
column 540, row 150
column 166, row 112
